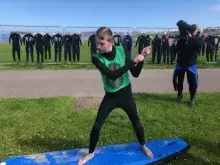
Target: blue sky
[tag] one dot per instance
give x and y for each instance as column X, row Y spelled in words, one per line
column 129, row 13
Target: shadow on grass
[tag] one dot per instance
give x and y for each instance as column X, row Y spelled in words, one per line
column 52, row 144
column 189, row 159
column 171, row 98
column 151, row 97
column 212, row 150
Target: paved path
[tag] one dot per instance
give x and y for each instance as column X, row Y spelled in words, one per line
column 46, row 83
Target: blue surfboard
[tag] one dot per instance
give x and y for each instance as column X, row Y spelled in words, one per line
column 120, row 154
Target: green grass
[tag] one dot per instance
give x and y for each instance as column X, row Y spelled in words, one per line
column 6, row 54
column 90, row 66
column 31, row 126
column 6, row 57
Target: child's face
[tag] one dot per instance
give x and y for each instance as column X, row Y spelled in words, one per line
column 103, row 46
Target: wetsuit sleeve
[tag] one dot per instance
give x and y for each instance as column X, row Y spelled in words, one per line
column 42, row 40
column 89, row 40
column 24, row 39
column 137, row 41
column 112, row 74
column 33, row 40
column 197, row 41
column 80, row 41
column 61, row 40
column 152, row 42
column 136, row 70
column 52, row 40
column 20, row 39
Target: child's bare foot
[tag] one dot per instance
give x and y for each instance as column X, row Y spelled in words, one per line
column 85, row 159
column 147, row 151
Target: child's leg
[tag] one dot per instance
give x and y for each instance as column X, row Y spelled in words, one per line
column 107, row 105
column 128, row 104
column 132, row 113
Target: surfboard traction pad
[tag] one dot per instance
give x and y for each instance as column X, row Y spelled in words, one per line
column 111, row 152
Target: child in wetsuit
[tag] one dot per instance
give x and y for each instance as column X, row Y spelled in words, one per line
column 113, row 65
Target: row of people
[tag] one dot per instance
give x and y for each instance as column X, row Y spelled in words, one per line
column 42, row 43
column 70, row 43
column 210, row 47
column 164, row 47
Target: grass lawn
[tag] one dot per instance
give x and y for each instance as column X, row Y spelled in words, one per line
column 90, row 66
column 31, row 126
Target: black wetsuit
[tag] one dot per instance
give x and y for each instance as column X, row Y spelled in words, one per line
column 58, row 42
column 76, row 43
column 216, row 43
column 156, row 44
column 165, row 50
column 171, row 50
column 16, row 42
column 141, row 41
column 28, row 41
column 122, row 99
column 127, row 45
column 67, row 43
column 92, row 44
column 209, row 48
column 148, row 41
column 117, row 40
column 47, row 45
column 39, row 43
column 203, row 47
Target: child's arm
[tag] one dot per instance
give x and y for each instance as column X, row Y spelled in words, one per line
column 135, row 71
column 113, row 74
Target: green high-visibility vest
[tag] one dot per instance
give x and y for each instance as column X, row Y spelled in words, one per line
column 116, row 63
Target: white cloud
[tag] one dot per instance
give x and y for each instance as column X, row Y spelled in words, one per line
column 215, row 7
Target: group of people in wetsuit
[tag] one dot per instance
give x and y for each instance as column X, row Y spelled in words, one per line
column 164, row 49
column 42, row 43
column 210, row 48
column 164, row 46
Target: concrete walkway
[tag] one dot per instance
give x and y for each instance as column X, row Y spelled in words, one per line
column 77, row 83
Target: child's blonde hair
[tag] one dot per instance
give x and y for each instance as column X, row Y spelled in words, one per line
column 104, row 33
